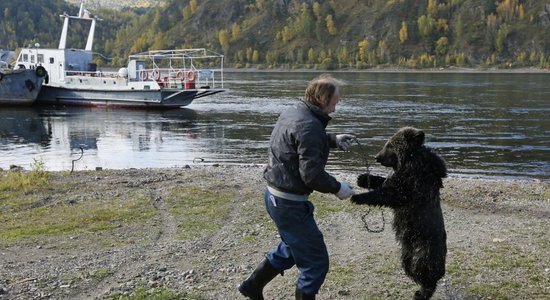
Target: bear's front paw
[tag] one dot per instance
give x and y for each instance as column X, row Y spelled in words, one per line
column 370, row 198
column 363, row 180
column 369, row 181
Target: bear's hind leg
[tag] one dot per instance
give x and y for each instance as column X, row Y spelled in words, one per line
column 426, row 270
column 424, row 293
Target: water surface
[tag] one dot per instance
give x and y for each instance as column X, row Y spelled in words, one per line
column 488, row 125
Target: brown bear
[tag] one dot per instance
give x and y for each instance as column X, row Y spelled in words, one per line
column 412, row 191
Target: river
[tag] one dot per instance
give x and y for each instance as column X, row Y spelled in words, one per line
column 491, row 125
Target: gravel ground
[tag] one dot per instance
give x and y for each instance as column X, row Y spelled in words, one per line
column 195, row 233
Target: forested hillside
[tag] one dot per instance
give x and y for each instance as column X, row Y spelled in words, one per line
column 310, row 33
column 118, row 4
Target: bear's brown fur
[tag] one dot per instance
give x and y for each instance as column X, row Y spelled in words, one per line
column 412, row 191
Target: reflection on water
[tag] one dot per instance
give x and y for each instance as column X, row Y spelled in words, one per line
column 493, row 125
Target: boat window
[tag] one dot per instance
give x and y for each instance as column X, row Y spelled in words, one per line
column 51, row 60
column 40, row 58
column 32, row 58
column 25, row 57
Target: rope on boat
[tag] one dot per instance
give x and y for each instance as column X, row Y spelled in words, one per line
column 364, row 217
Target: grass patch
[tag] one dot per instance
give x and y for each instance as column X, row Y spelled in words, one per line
column 509, row 270
column 457, row 265
column 342, row 275
column 249, row 239
column 12, row 200
column 501, row 290
column 509, row 258
column 18, row 180
column 390, row 266
column 157, row 294
column 100, row 273
column 199, row 211
column 63, row 219
column 327, row 204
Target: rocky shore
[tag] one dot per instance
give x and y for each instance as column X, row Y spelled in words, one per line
column 195, row 233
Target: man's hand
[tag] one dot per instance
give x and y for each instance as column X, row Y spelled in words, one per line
column 345, row 191
column 343, row 141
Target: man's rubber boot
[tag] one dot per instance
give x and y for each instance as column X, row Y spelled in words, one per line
column 253, row 286
column 301, row 296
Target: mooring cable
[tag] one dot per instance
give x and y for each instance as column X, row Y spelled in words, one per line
column 75, row 160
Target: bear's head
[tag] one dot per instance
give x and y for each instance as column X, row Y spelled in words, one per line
column 400, row 147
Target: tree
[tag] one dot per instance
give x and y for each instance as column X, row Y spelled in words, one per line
column 442, row 46
column 187, row 12
column 249, row 53
column 322, row 56
column 459, row 27
column 311, row 56
column 500, row 38
column 442, row 25
column 343, row 55
column 425, row 25
column 260, row 4
column 316, row 10
column 271, row 57
column 331, row 27
column 223, row 37
column 460, row 59
column 159, row 42
column 432, row 7
column 235, row 31
column 363, row 46
column 287, row 34
column 521, row 12
column 383, row 52
column 255, row 57
column 193, row 4
column 403, row 32
column 305, row 23
column 505, row 9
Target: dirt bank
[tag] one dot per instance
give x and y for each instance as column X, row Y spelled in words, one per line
column 195, row 233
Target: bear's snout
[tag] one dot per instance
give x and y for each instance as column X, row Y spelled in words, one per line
column 385, row 159
column 378, row 157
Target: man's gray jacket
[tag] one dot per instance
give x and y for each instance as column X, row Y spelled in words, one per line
column 298, row 152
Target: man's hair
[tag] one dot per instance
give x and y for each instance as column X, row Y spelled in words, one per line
column 321, row 89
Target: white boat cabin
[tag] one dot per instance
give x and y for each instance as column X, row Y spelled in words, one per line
column 62, row 62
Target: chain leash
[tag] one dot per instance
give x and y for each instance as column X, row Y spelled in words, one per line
column 364, row 216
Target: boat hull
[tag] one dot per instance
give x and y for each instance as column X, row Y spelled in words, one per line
column 159, row 98
column 19, row 87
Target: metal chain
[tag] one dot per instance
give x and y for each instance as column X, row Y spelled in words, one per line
column 75, row 160
column 364, row 217
column 366, row 225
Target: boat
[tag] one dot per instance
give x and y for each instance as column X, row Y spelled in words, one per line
column 152, row 79
column 21, row 86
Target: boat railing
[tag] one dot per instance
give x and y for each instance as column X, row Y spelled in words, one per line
column 186, row 78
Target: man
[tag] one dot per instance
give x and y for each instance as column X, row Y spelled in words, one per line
column 298, row 153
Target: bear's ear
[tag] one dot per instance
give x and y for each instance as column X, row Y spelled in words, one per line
column 414, row 136
column 419, row 137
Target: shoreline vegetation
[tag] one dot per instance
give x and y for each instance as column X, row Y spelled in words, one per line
column 195, row 232
column 452, row 69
